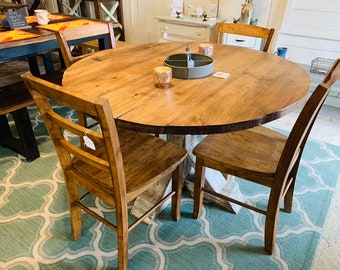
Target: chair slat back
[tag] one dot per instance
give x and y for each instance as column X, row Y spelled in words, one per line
column 78, row 33
column 68, row 136
column 245, row 30
column 299, row 134
column 333, row 74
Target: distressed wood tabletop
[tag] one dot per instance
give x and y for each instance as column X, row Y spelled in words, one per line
column 261, row 87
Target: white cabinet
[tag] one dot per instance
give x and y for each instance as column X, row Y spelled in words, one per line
column 177, row 32
column 194, row 29
column 243, row 41
column 185, row 29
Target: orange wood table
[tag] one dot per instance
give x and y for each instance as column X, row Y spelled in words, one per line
column 28, row 43
column 262, row 87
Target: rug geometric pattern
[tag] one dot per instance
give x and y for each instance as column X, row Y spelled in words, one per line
column 35, row 229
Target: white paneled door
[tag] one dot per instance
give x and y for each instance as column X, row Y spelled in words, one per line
column 141, row 25
column 311, row 29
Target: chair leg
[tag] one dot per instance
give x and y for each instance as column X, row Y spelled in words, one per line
column 177, row 185
column 288, row 199
column 199, row 182
column 272, row 217
column 123, row 237
column 75, row 210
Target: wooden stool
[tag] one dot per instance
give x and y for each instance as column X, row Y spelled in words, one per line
column 14, row 99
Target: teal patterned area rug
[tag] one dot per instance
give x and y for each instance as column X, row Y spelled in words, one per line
column 35, row 230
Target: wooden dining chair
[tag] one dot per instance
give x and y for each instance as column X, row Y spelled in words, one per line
column 115, row 165
column 88, row 32
column 240, row 29
column 262, row 156
column 91, row 33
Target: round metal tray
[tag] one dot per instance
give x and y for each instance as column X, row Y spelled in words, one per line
column 203, row 65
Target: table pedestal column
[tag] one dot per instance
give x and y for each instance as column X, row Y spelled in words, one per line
column 215, row 180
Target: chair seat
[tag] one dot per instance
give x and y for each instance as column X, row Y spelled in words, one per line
column 138, row 156
column 244, row 158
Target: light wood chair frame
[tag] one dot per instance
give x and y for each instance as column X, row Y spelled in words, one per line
column 123, row 165
column 90, row 32
column 265, row 34
column 280, row 157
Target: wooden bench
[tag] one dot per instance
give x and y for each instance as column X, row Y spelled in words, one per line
column 14, row 100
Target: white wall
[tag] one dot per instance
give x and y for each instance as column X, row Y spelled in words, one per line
column 142, row 27
column 139, row 19
column 230, row 9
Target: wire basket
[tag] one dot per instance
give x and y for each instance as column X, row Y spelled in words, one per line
column 321, row 65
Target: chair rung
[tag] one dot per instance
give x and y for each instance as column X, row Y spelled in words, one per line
column 140, row 219
column 98, row 217
column 261, row 211
column 111, row 225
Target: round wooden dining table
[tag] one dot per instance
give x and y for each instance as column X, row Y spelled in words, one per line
column 261, row 87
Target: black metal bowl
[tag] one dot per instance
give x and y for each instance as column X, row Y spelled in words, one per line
column 203, row 65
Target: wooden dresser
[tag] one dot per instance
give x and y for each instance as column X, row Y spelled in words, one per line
column 185, row 29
